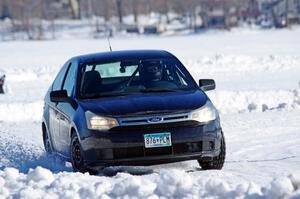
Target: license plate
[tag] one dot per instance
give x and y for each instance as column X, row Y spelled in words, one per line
column 157, row 140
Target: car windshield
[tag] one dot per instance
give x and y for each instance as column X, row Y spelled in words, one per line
column 134, row 76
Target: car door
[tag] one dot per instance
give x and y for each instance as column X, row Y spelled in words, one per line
column 66, row 110
column 54, row 115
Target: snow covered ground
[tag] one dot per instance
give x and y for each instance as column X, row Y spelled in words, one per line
column 258, row 95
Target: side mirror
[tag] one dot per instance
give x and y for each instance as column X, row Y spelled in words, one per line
column 59, row 96
column 207, row 84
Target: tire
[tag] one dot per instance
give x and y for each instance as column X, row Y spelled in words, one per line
column 77, row 157
column 47, row 142
column 218, row 161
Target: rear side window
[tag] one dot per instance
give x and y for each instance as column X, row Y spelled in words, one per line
column 57, row 84
column 70, row 79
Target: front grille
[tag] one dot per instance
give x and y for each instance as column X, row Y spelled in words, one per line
column 134, row 121
column 154, row 119
column 176, row 149
column 145, row 121
column 176, row 118
column 163, row 126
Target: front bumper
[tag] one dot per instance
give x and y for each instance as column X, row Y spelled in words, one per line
column 125, row 145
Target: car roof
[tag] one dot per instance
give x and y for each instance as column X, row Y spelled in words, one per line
column 125, row 54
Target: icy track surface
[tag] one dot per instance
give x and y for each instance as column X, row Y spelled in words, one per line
column 258, row 95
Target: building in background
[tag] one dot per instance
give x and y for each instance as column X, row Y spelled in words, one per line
column 281, row 12
column 249, row 11
column 34, row 19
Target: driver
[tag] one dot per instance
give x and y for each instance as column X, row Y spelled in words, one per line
column 151, row 73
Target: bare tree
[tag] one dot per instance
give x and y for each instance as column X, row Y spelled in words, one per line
column 119, row 4
column 135, row 10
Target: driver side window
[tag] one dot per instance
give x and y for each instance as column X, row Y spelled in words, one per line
column 70, row 79
column 57, row 84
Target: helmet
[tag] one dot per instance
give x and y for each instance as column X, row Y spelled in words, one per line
column 151, row 71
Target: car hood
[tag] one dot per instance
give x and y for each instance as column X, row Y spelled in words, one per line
column 141, row 104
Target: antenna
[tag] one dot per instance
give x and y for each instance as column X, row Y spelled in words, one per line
column 109, row 43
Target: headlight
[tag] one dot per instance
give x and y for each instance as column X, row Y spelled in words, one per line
column 95, row 122
column 205, row 114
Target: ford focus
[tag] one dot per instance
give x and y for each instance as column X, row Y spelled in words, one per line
column 131, row 108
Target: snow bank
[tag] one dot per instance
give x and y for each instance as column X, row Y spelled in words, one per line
column 29, row 70
column 221, row 63
column 171, row 183
column 229, row 102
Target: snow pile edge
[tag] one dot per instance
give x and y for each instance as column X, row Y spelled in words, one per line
column 170, row 183
column 229, row 102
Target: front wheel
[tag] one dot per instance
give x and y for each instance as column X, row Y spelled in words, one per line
column 218, row 161
column 47, row 142
column 77, row 157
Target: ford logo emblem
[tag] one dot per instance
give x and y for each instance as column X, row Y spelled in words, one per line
column 154, row 119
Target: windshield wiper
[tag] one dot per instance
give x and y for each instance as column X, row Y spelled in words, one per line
column 113, row 94
column 159, row 90
column 99, row 95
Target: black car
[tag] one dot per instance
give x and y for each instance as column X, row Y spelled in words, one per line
column 131, row 108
